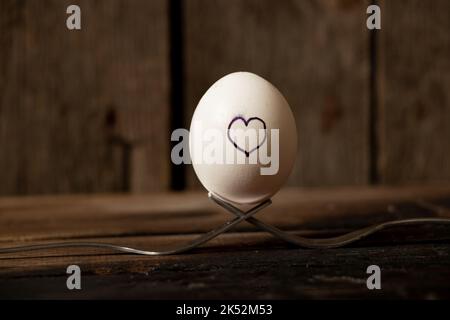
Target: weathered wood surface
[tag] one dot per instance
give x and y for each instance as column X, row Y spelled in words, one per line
column 84, row 111
column 88, row 111
column 414, row 81
column 315, row 52
column 244, row 263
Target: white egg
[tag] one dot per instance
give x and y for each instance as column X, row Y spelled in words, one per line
column 245, row 101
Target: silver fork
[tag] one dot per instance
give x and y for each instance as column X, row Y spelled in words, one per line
column 323, row 243
column 193, row 244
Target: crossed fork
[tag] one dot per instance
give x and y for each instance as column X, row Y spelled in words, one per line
column 325, row 243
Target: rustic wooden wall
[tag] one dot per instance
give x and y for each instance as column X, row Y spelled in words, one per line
column 414, row 91
column 83, row 111
column 90, row 111
column 315, row 52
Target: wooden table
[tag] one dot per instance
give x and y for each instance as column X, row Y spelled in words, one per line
column 244, row 263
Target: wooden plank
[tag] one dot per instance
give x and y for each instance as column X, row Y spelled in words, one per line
column 415, row 260
column 315, row 52
column 414, row 77
column 44, row 261
column 78, row 217
column 419, row 272
column 74, row 103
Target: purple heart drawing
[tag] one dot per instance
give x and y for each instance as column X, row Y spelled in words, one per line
column 246, row 122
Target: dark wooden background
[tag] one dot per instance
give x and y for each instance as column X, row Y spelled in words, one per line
column 92, row 110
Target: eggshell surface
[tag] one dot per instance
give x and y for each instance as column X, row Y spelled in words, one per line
column 243, row 100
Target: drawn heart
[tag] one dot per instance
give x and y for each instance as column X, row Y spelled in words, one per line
column 246, row 122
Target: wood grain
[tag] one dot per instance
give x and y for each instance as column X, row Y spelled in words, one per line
column 69, row 217
column 243, row 263
column 81, row 111
column 414, row 77
column 410, row 272
column 315, row 52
